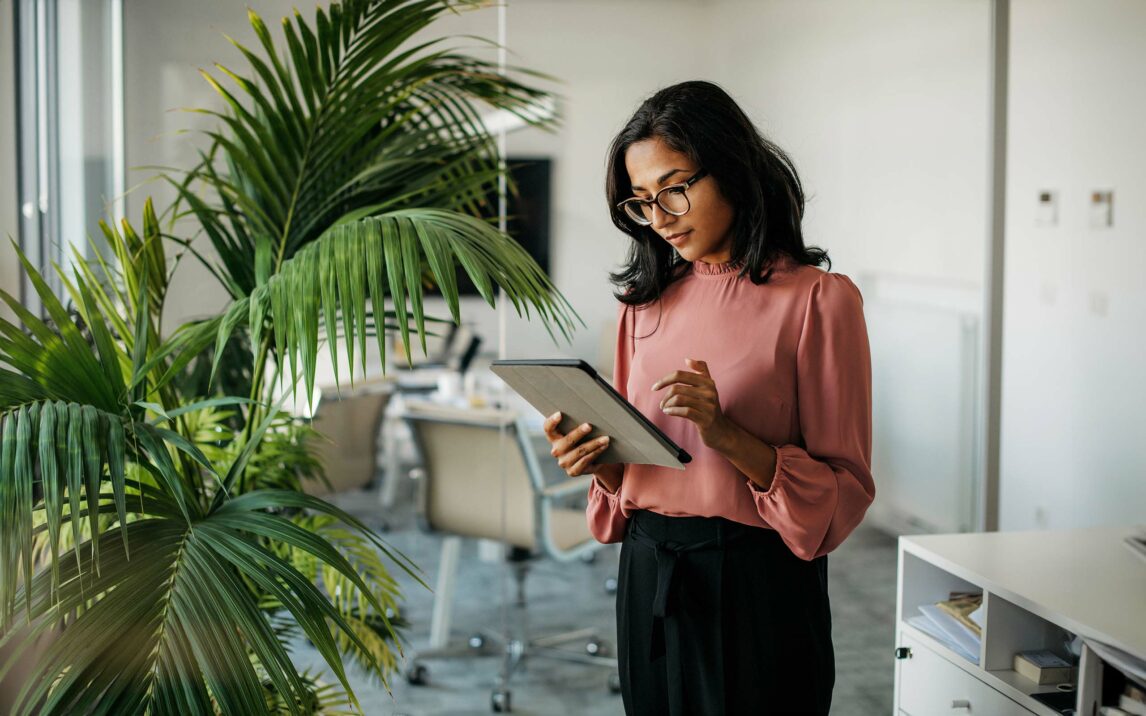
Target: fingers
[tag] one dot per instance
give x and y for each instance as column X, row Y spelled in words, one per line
column 680, row 392
column 682, row 405
column 578, row 461
column 550, row 427
column 700, row 412
column 574, row 459
column 566, row 443
column 699, row 366
column 688, row 377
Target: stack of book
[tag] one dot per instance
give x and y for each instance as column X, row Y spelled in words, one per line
column 955, row 623
column 1043, row 666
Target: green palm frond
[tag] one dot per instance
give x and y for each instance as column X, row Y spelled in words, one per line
column 62, row 451
column 171, row 630
column 375, row 631
column 321, row 698
column 57, row 362
column 349, row 122
column 368, row 261
column 349, row 173
column 346, row 116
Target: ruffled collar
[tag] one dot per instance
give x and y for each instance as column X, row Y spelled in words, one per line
column 701, row 268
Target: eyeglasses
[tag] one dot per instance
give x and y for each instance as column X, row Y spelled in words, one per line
column 671, row 198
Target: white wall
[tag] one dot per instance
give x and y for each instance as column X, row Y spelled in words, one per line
column 9, row 219
column 883, row 106
column 165, row 46
column 1073, row 422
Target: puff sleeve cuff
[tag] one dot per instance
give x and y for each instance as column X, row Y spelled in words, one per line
column 822, row 488
column 606, row 521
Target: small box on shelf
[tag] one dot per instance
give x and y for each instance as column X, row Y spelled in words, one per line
column 1043, row 666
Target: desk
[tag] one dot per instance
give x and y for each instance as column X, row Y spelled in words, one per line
column 1035, row 585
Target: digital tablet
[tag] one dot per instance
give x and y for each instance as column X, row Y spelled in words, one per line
column 574, row 388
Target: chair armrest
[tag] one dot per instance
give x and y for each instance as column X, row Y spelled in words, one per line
column 575, row 486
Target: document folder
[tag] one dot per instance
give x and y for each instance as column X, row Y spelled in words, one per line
column 574, row 388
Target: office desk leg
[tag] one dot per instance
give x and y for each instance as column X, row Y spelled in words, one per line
column 444, row 592
column 392, row 462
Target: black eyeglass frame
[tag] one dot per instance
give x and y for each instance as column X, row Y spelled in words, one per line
column 682, row 187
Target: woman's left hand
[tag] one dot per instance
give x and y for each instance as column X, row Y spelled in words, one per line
column 692, row 395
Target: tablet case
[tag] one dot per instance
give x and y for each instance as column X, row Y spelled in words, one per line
column 582, row 396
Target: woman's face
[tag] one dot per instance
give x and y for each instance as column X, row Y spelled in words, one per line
column 704, row 233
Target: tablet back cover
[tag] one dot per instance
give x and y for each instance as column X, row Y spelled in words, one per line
column 573, row 388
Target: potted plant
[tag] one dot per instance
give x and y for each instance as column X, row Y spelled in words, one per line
column 153, row 528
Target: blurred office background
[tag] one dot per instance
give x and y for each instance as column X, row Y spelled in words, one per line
column 977, row 167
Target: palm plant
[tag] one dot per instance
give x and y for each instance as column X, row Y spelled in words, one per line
column 153, row 527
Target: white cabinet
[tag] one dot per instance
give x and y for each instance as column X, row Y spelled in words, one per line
column 1038, row 589
column 930, row 684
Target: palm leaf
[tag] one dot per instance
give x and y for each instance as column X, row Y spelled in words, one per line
column 174, row 624
column 383, row 257
column 372, row 629
column 353, row 118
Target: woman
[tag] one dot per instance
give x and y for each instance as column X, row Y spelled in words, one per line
column 756, row 362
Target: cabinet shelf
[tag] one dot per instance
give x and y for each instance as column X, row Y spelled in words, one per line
column 1028, row 603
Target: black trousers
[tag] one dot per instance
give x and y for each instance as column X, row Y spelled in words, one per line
column 715, row 617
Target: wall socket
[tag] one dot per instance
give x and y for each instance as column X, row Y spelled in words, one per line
column 1046, row 211
column 1101, row 209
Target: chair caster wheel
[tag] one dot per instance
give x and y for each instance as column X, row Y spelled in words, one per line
column 611, row 585
column 500, row 701
column 614, row 683
column 477, row 641
column 417, row 675
column 596, row 648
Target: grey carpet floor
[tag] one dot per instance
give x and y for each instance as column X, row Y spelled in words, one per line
column 571, row 596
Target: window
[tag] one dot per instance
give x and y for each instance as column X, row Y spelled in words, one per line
column 69, row 127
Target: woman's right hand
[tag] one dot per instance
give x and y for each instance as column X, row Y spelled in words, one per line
column 575, row 455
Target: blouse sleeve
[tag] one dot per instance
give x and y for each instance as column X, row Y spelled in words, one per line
column 822, row 489
column 606, row 521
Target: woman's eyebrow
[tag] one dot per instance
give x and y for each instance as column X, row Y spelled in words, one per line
column 661, row 178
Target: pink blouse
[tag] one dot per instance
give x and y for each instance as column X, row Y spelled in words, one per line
column 791, row 363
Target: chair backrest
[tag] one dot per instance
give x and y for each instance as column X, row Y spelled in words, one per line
column 349, row 445
column 479, row 481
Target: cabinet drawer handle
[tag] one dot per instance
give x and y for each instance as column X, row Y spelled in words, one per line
column 961, row 704
column 903, row 652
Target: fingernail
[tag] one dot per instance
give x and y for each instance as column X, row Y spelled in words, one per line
column 555, row 416
column 584, row 426
column 605, row 440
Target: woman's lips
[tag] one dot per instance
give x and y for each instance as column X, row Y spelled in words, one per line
column 677, row 238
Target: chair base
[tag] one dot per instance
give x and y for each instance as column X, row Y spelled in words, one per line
column 515, row 652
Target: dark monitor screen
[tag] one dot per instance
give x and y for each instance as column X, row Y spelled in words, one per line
column 527, row 213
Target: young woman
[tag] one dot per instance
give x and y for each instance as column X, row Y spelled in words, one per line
column 756, row 362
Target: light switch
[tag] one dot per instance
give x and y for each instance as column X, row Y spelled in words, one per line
column 1101, row 209
column 1046, row 211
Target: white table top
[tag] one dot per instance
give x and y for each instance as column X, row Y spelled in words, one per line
column 1087, row 580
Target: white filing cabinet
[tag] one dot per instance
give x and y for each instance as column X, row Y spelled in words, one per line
column 1037, row 586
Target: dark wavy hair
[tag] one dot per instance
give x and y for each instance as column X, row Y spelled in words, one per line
column 701, row 121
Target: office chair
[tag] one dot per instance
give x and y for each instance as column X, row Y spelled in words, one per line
column 349, row 421
column 461, row 494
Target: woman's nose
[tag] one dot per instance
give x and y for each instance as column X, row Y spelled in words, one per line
column 661, row 217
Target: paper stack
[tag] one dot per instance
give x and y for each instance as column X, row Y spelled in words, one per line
column 954, row 623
